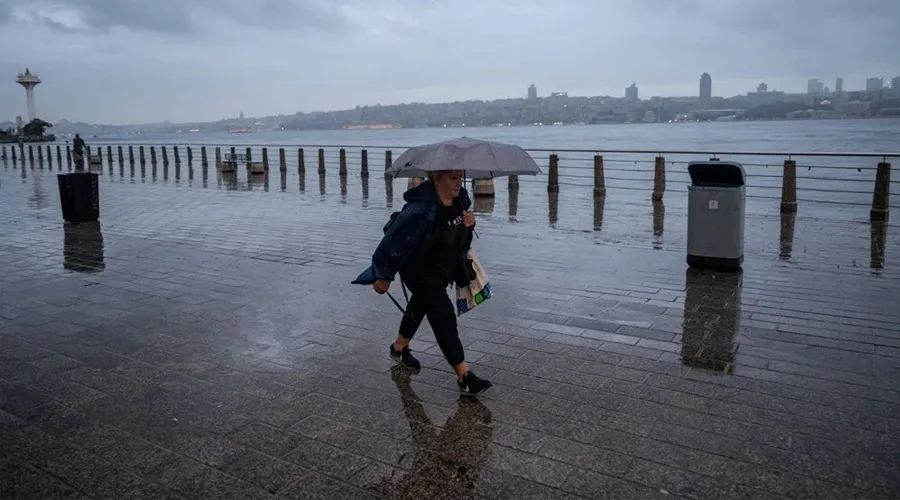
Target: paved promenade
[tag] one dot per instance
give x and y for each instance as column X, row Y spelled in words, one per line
column 206, row 343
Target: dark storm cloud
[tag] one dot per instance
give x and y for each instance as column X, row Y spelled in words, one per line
column 179, row 17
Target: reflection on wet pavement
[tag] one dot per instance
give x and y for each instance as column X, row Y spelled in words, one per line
column 205, row 342
column 788, row 219
column 712, row 317
column 447, row 461
column 83, row 247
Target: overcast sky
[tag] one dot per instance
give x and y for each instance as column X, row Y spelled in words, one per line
column 137, row 61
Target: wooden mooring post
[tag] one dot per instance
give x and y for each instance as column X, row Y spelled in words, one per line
column 882, row 194
column 282, row 163
column 321, row 161
column 599, row 177
column 364, row 164
column 659, row 178
column 553, row 174
column 342, row 165
column 789, row 187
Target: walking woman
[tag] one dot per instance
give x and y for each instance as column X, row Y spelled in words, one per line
column 426, row 243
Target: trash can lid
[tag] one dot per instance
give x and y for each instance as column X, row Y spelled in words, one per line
column 717, row 173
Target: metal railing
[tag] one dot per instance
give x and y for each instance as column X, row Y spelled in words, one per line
column 858, row 179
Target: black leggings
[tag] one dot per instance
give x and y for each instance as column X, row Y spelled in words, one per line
column 431, row 300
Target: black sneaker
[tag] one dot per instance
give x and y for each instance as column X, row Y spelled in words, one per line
column 471, row 385
column 405, row 357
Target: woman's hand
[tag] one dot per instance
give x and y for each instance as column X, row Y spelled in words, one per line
column 381, row 286
column 468, row 218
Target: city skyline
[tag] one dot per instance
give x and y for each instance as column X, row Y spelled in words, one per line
column 124, row 62
column 704, row 95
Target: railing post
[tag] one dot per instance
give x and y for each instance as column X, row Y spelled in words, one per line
column 342, row 169
column 218, row 157
column 109, row 155
column 249, row 154
column 553, row 175
column 165, row 155
column 513, row 183
column 282, row 162
column 789, row 187
column 177, row 155
column 131, row 155
column 364, row 163
column 301, row 161
column 40, row 156
column 3, row 154
column 153, row 155
column 59, row 157
column 190, row 155
column 68, row 158
column 141, row 156
column 13, row 148
column 659, row 178
column 388, row 160
column 121, row 156
column 204, row 160
column 599, row 177
column 265, row 158
column 321, row 161
column 882, row 194
column 30, row 153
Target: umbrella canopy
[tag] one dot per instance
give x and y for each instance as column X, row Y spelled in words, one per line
column 479, row 159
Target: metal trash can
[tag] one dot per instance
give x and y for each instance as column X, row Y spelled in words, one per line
column 79, row 196
column 716, row 209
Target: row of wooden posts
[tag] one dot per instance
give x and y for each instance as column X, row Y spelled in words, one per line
column 880, row 198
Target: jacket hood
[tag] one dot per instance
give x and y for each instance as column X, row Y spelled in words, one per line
column 425, row 192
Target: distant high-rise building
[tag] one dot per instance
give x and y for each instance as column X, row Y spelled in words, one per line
column 874, row 84
column 705, row 90
column 242, row 115
column 827, row 90
column 815, row 87
column 895, row 84
column 839, row 85
column 631, row 92
column 532, row 92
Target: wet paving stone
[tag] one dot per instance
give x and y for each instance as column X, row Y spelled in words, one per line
column 203, row 341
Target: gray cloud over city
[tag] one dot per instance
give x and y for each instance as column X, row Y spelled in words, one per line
column 129, row 61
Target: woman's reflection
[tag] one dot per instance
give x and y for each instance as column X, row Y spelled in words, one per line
column 83, row 247
column 448, row 461
column 712, row 314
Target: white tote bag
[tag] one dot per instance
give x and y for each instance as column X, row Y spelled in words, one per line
column 478, row 290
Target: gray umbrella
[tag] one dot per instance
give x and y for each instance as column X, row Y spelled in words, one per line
column 478, row 159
